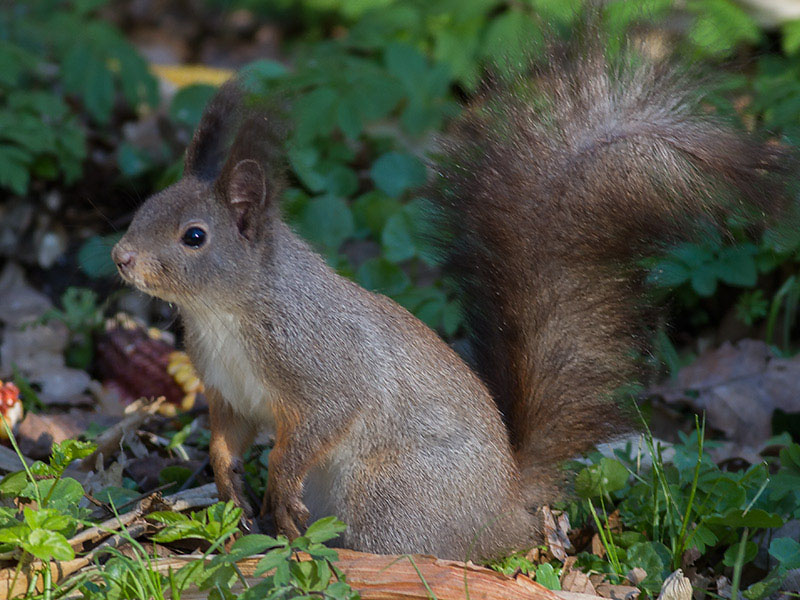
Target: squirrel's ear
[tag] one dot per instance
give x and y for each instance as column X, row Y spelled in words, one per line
column 245, row 187
column 206, row 152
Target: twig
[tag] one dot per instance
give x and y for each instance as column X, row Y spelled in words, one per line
column 155, row 490
column 193, row 498
column 108, row 441
column 190, row 480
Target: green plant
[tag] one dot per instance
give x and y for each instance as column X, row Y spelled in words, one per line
column 52, row 52
column 42, row 532
column 83, row 316
column 50, row 514
column 285, row 575
column 692, row 272
column 687, row 503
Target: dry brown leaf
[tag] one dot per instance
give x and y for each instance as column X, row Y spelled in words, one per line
column 556, row 527
column 574, row 580
column 37, row 433
column 739, row 387
column 597, row 546
column 636, row 575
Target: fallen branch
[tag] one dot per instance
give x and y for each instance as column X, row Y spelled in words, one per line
column 382, row 577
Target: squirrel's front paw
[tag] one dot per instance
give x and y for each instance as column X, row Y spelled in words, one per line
column 289, row 513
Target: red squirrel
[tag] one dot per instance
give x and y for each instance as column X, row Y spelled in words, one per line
column 547, row 190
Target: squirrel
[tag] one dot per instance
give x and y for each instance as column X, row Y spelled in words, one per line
column 548, row 189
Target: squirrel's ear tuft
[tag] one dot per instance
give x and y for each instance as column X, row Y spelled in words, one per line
column 245, row 187
column 206, row 152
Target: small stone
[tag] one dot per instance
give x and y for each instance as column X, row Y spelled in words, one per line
column 52, row 244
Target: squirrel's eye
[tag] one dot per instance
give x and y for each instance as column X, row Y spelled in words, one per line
column 194, row 237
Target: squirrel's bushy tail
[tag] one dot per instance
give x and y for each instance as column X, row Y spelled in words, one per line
column 551, row 188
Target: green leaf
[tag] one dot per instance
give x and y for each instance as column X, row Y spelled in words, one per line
column 65, row 494
column 16, row 534
column 561, row 11
column 750, row 551
column 303, row 160
column 94, row 256
column 86, row 75
column 755, row 518
column 546, row 576
column 452, row 317
column 704, row 280
column 457, row 46
column 189, row 102
column 668, row 273
column 264, row 590
column 12, row 484
column 786, row 551
column 394, row 173
column 510, row 39
column 372, row 210
column 339, row 180
column 180, row 531
column 272, row 560
column 249, row 545
column 606, row 476
column 262, row 70
column 790, row 40
column 380, row 275
column 14, row 168
column 348, row 117
column 737, row 266
column 704, row 538
column 175, row 474
column 132, row 161
column 46, row 518
column 68, row 451
column 168, row 517
column 765, row 588
column 314, row 114
column 790, row 457
column 47, row 545
column 116, row 495
column 397, row 240
column 654, row 558
column 327, row 221
column 407, row 64
column 720, row 26
column 431, row 312
column 12, row 63
column 324, row 529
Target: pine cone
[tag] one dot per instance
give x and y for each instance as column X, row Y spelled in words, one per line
column 143, row 362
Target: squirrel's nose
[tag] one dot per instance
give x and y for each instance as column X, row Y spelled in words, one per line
column 124, row 259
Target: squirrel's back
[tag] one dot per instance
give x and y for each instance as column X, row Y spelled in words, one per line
column 551, row 186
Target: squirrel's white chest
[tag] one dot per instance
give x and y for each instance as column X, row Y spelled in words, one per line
column 225, row 364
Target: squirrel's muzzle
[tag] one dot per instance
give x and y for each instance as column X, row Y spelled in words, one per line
column 124, row 259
